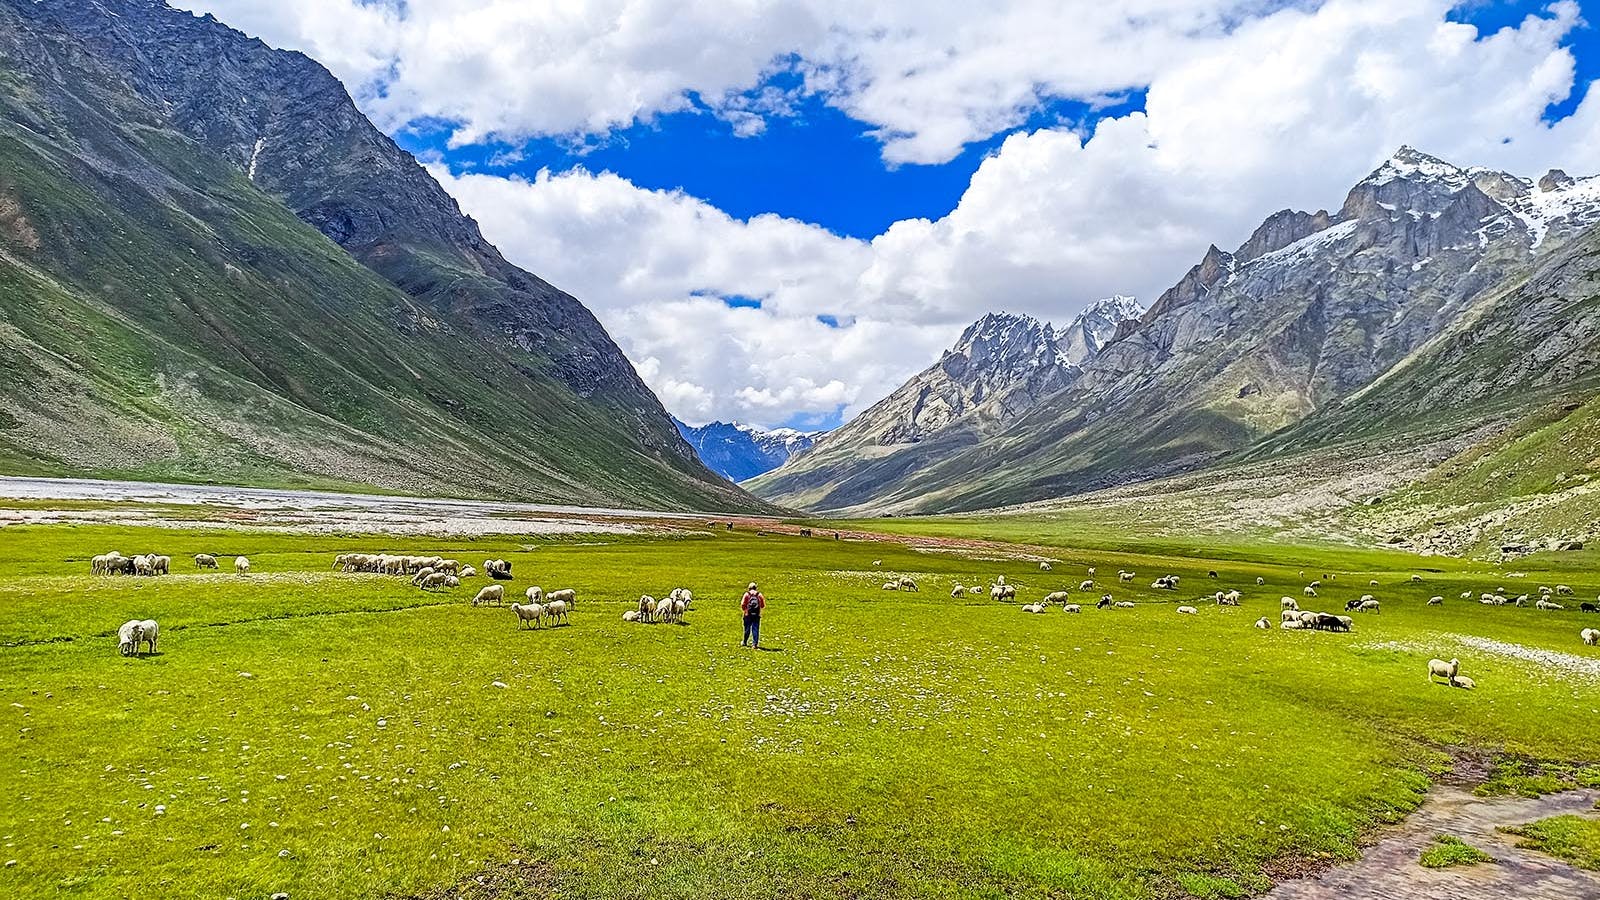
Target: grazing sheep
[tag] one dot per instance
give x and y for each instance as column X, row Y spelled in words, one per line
column 1289, row 615
column 1188, row 610
column 1057, row 597
column 1310, row 591
column 1435, row 601
column 142, row 565
column 1044, row 567
column 1308, row 618
column 491, row 593
column 1563, row 589
column 1438, row 668
column 468, row 572
column 1373, row 582
column 534, row 594
column 1462, row 681
column 1416, row 579
column 556, row 610
column 1316, row 584
column 1071, row 607
column 907, row 584
column 1588, row 607
column 1125, row 576
column 1288, row 603
column 241, row 565
column 957, row 591
column 1086, row 585
column 128, row 638
column 422, row 575
column 437, row 580
column 877, row 562
column 205, row 561
column 1548, row 605
column 630, row 615
column 1212, row 573
column 498, row 569
column 1466, row 595
column 528, row 612
column 1263, row 623
column 567, row 596
column 1591, row 636
column 1368, row 606
column 1260, row 581
column 1231, row 598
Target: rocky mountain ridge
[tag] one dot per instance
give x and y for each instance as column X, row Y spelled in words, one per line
column 737, row 451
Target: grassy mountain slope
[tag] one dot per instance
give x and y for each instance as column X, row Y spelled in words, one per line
column 162, row 316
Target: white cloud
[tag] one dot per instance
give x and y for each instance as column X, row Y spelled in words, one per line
column 1244, row 115
column 928, row 77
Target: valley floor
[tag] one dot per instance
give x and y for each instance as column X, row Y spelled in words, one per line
column 328, row 734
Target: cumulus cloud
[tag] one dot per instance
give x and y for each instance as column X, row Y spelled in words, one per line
column 1249, row 108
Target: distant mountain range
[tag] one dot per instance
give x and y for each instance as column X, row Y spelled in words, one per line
column 737, row 452
column 1435, row 297
column 214, row 268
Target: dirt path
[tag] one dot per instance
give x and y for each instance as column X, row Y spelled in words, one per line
column 1389, row 869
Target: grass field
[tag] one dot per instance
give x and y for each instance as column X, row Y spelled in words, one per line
column 325, row 734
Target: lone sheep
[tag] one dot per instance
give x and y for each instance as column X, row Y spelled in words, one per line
column 1263, row 623
column 1438, row 668
column 241, row 565
column 1188, row 610
column 1044, row 567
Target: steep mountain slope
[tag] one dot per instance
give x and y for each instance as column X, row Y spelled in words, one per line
column 1312, row 308
column 213, row 267
column 1002, row 366
column 738, row 452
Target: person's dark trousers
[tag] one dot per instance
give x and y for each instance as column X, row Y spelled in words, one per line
column 752, row 631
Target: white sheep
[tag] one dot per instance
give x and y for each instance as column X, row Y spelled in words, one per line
column 567, row 596
column 1260, row 581
column 1091, row 570
column 1263, row 623
column 1548, row 605
column 1071, row 608
column 1368, row 606
column 907, row 583
column 1123, row 604
column 877, row 562
column 1288, row 603
column 974, row 590
column 1188, row 610
column 1435, row 601
column 1563, row 589
column 1466, row 595
column 491, row 593
column 128, row 638
column 534, row 594
column 1125, row 576
column 891, row 585
column 498, row 569
column 1591, row 636
column 1462, row 681
column 1291, row 625
column 1044, row 567
column 1057, row 597
column 1438, row 668
column 468, row 572
column 528, row 612
column 437, row 580
column 1086, row 585
column 1231, row 598
column 556, row 610
column 957, row 591
column 1310, row 591
column 647, row 608
column 205, row 561
column 1416, row 579
column 422, row 575
column 1032, row 608
column 1373, row 582
column 241, row 565
column 630, row 615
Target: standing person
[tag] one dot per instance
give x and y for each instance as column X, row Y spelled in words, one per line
column 751, row 606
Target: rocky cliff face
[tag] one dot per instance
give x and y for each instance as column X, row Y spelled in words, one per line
column 160, row 161
column 1310, row 309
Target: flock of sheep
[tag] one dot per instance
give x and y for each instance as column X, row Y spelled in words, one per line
column 152, row 564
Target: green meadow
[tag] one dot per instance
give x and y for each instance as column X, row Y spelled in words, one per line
column 324, row 734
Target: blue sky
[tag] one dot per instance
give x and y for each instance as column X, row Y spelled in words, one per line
column 781, row 209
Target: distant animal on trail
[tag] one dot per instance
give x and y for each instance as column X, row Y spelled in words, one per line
column 1212, row 573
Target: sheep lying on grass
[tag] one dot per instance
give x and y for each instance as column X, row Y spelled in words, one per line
column 891, row 585
column 1071, row 608
column 1438, row 668
column 1263, row 623
column 468, row 572
column 1188, row 610
column 1123, row 604
column 1033, row 607
column 1548, row 605
column 1462, row 681
column 498, row 569
column 630, row 615
column 1044, row 567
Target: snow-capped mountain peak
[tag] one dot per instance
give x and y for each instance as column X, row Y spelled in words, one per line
column 738, row 451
